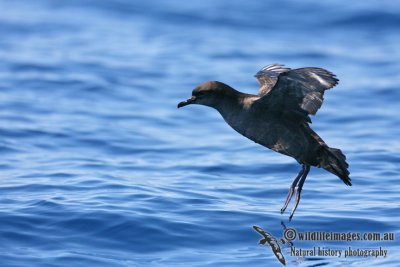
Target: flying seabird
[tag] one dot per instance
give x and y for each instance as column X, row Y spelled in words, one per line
column 278, row 117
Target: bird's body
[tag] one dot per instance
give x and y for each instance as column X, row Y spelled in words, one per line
column 277, row 117
column 267, row 129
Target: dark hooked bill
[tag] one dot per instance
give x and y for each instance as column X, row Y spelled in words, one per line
column 187, row 102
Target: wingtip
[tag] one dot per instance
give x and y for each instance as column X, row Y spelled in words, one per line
column 327, row 77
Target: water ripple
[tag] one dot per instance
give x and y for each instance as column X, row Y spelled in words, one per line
column 99, row 167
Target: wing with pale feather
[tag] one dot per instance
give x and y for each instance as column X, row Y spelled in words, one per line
column 298, row 92
column 268, row 76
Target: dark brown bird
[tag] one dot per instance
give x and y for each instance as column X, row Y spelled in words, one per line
column 278, row 117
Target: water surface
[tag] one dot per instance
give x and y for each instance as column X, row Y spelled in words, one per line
column 99, row 168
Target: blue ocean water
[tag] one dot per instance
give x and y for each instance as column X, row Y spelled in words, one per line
column 99, row 168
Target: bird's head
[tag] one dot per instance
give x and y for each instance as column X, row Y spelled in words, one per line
column 208, row 94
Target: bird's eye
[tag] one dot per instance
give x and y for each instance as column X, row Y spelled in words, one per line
column 200, row 94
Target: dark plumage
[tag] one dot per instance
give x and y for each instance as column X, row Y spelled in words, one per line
column 278, row 117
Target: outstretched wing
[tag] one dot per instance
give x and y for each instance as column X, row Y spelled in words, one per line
column 299, row 92
column 268, row 76
column 272, row 242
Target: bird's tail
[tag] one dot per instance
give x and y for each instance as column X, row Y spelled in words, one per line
column 334, row 161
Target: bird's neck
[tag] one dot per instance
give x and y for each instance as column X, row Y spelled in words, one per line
column 228, row 103
column 234, row 108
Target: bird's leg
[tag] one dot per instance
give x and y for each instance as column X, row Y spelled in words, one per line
column 301, row 183
column 291, row 189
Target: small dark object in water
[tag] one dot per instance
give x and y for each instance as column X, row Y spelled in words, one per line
column 277, row 117
column 272, row 242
